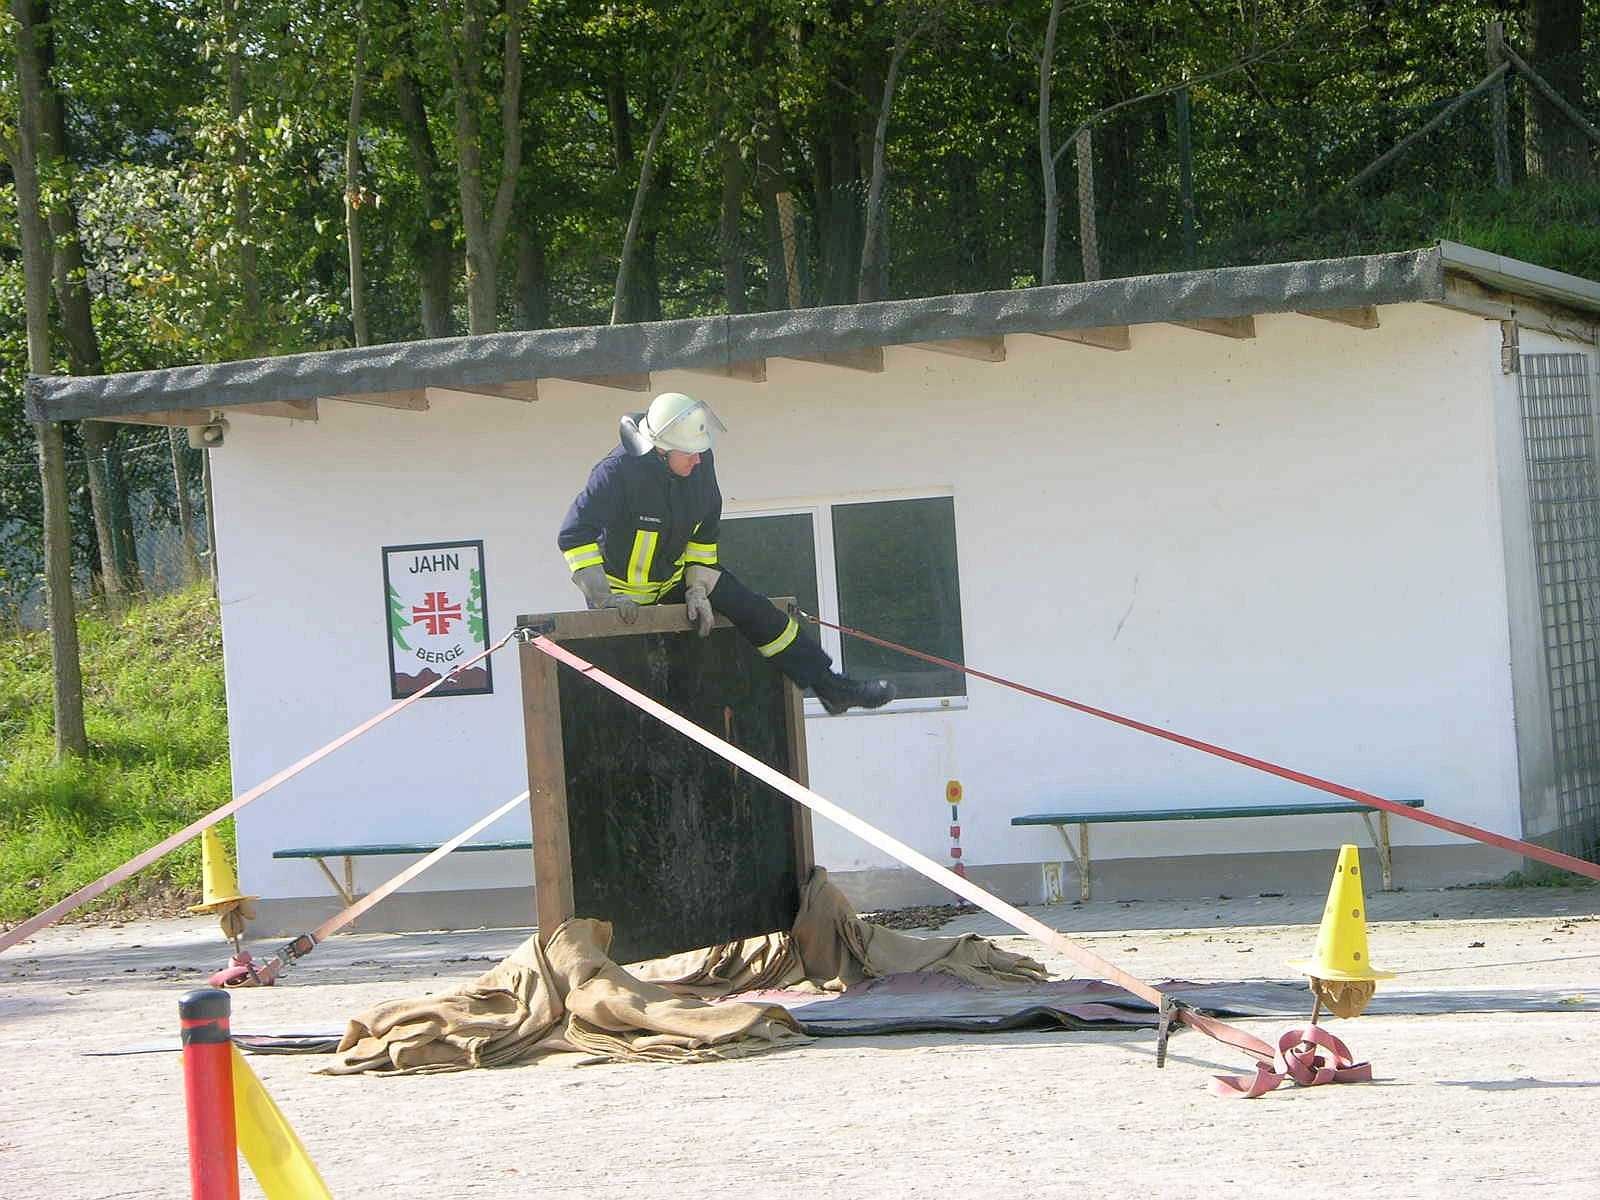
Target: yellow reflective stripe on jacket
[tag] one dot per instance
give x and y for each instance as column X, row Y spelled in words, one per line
column 580, row 557
column 780, row 643
column 644, row 554
column 704, row 553
column 645, row 593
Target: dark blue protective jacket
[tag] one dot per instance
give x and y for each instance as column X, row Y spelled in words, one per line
column 643, row 522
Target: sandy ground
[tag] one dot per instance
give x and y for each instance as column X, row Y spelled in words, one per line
column 1463, row 1106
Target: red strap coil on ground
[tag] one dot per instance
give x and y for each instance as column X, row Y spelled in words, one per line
column 1566, row 862
column 1299, row 1059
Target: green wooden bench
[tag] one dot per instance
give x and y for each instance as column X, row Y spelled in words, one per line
column 1080, row 853
column 347, row 889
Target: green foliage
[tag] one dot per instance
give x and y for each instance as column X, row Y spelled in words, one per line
column 398, row 621
column 1293, row 98
column 476, row 626
column 157, row 724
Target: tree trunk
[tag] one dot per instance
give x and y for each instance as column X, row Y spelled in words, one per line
column 874, row 259
column 485, row 231
column 729, row 241
column 533, row 277
column 1555, row 148
column 113, row 526
column 1047, row 152
column 352, row 184
column 625, row 267
column 769, row 174
column 96, row 450
column 839, row 194
column 179, row 445
column 431, row 247
column 243, row 220
column 24, row 154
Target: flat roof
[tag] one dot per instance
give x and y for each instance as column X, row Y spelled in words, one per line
column 510, row 364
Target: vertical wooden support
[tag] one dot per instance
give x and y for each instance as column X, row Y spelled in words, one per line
column 547, row 791
column 794, row 706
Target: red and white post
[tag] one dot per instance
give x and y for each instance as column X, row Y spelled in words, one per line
column 952, row 793
column 203, row 1017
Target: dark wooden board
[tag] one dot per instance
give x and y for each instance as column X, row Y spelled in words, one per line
column 667, row 841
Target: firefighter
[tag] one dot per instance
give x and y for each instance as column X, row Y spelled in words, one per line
column 644, row 531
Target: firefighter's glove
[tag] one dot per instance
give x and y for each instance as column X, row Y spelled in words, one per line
column 597, row 592
column 698, row 583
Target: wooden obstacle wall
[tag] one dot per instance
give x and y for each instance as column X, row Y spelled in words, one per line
column 636, row 825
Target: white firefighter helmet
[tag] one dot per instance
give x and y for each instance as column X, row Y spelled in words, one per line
column 679, row 422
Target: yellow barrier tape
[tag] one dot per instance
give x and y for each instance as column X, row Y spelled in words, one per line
column 277, row 1159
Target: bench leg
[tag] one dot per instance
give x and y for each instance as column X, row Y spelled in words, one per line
column 1380, row 840
column 1080, row 856
column 346, row 890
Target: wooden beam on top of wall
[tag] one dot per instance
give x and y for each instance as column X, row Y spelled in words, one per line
column 622, row 383
column 1232, row 327
column 294, row 410
column 1103, row 337
column 179, row 417
column 525, row 390
column 411, row 399
column 868, row 358
column 750, row 370
column 984, row 348
column 1363, row 317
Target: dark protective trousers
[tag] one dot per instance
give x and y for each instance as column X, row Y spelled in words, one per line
column 775, row 635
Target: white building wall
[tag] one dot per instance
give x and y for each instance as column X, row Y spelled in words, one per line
column 1289, row 545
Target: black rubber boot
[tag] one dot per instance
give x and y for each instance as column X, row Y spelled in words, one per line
column 840, row 692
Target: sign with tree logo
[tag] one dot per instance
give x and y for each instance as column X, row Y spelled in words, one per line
column 438, row 617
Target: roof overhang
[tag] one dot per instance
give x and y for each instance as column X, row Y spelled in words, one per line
column 508, row 366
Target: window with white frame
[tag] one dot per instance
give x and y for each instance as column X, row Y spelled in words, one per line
column 887, row 567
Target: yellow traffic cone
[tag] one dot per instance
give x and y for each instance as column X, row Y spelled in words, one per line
column 1341, row 953
column 219, row 886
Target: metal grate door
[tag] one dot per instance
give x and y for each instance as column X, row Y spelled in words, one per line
column 1564, row 491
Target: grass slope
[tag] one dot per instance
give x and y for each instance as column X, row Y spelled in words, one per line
column 158, row 733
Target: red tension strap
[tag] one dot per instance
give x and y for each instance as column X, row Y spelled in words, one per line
column 1301, row 1058
column 134, row 865
column 960, row 885
column 1578, row 866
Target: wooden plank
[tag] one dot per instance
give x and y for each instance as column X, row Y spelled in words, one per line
column 410, row 400
column 1363, row 317
column 294, row 410
column 1104, row 337
column 547, row 791
column 630, row 382
column 984, row 348
column 526, row 390
column 869, row 358
column 1230, row 327
column 173, row 416
column 750, row 370
column 607, row 622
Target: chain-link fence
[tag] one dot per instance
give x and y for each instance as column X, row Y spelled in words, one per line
column 1222, row 175
column 152, row 535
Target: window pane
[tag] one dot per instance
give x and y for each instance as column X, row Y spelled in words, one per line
column 896, row 562
column 775, row 556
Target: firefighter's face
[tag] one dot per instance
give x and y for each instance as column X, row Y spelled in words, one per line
column 681, row 463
